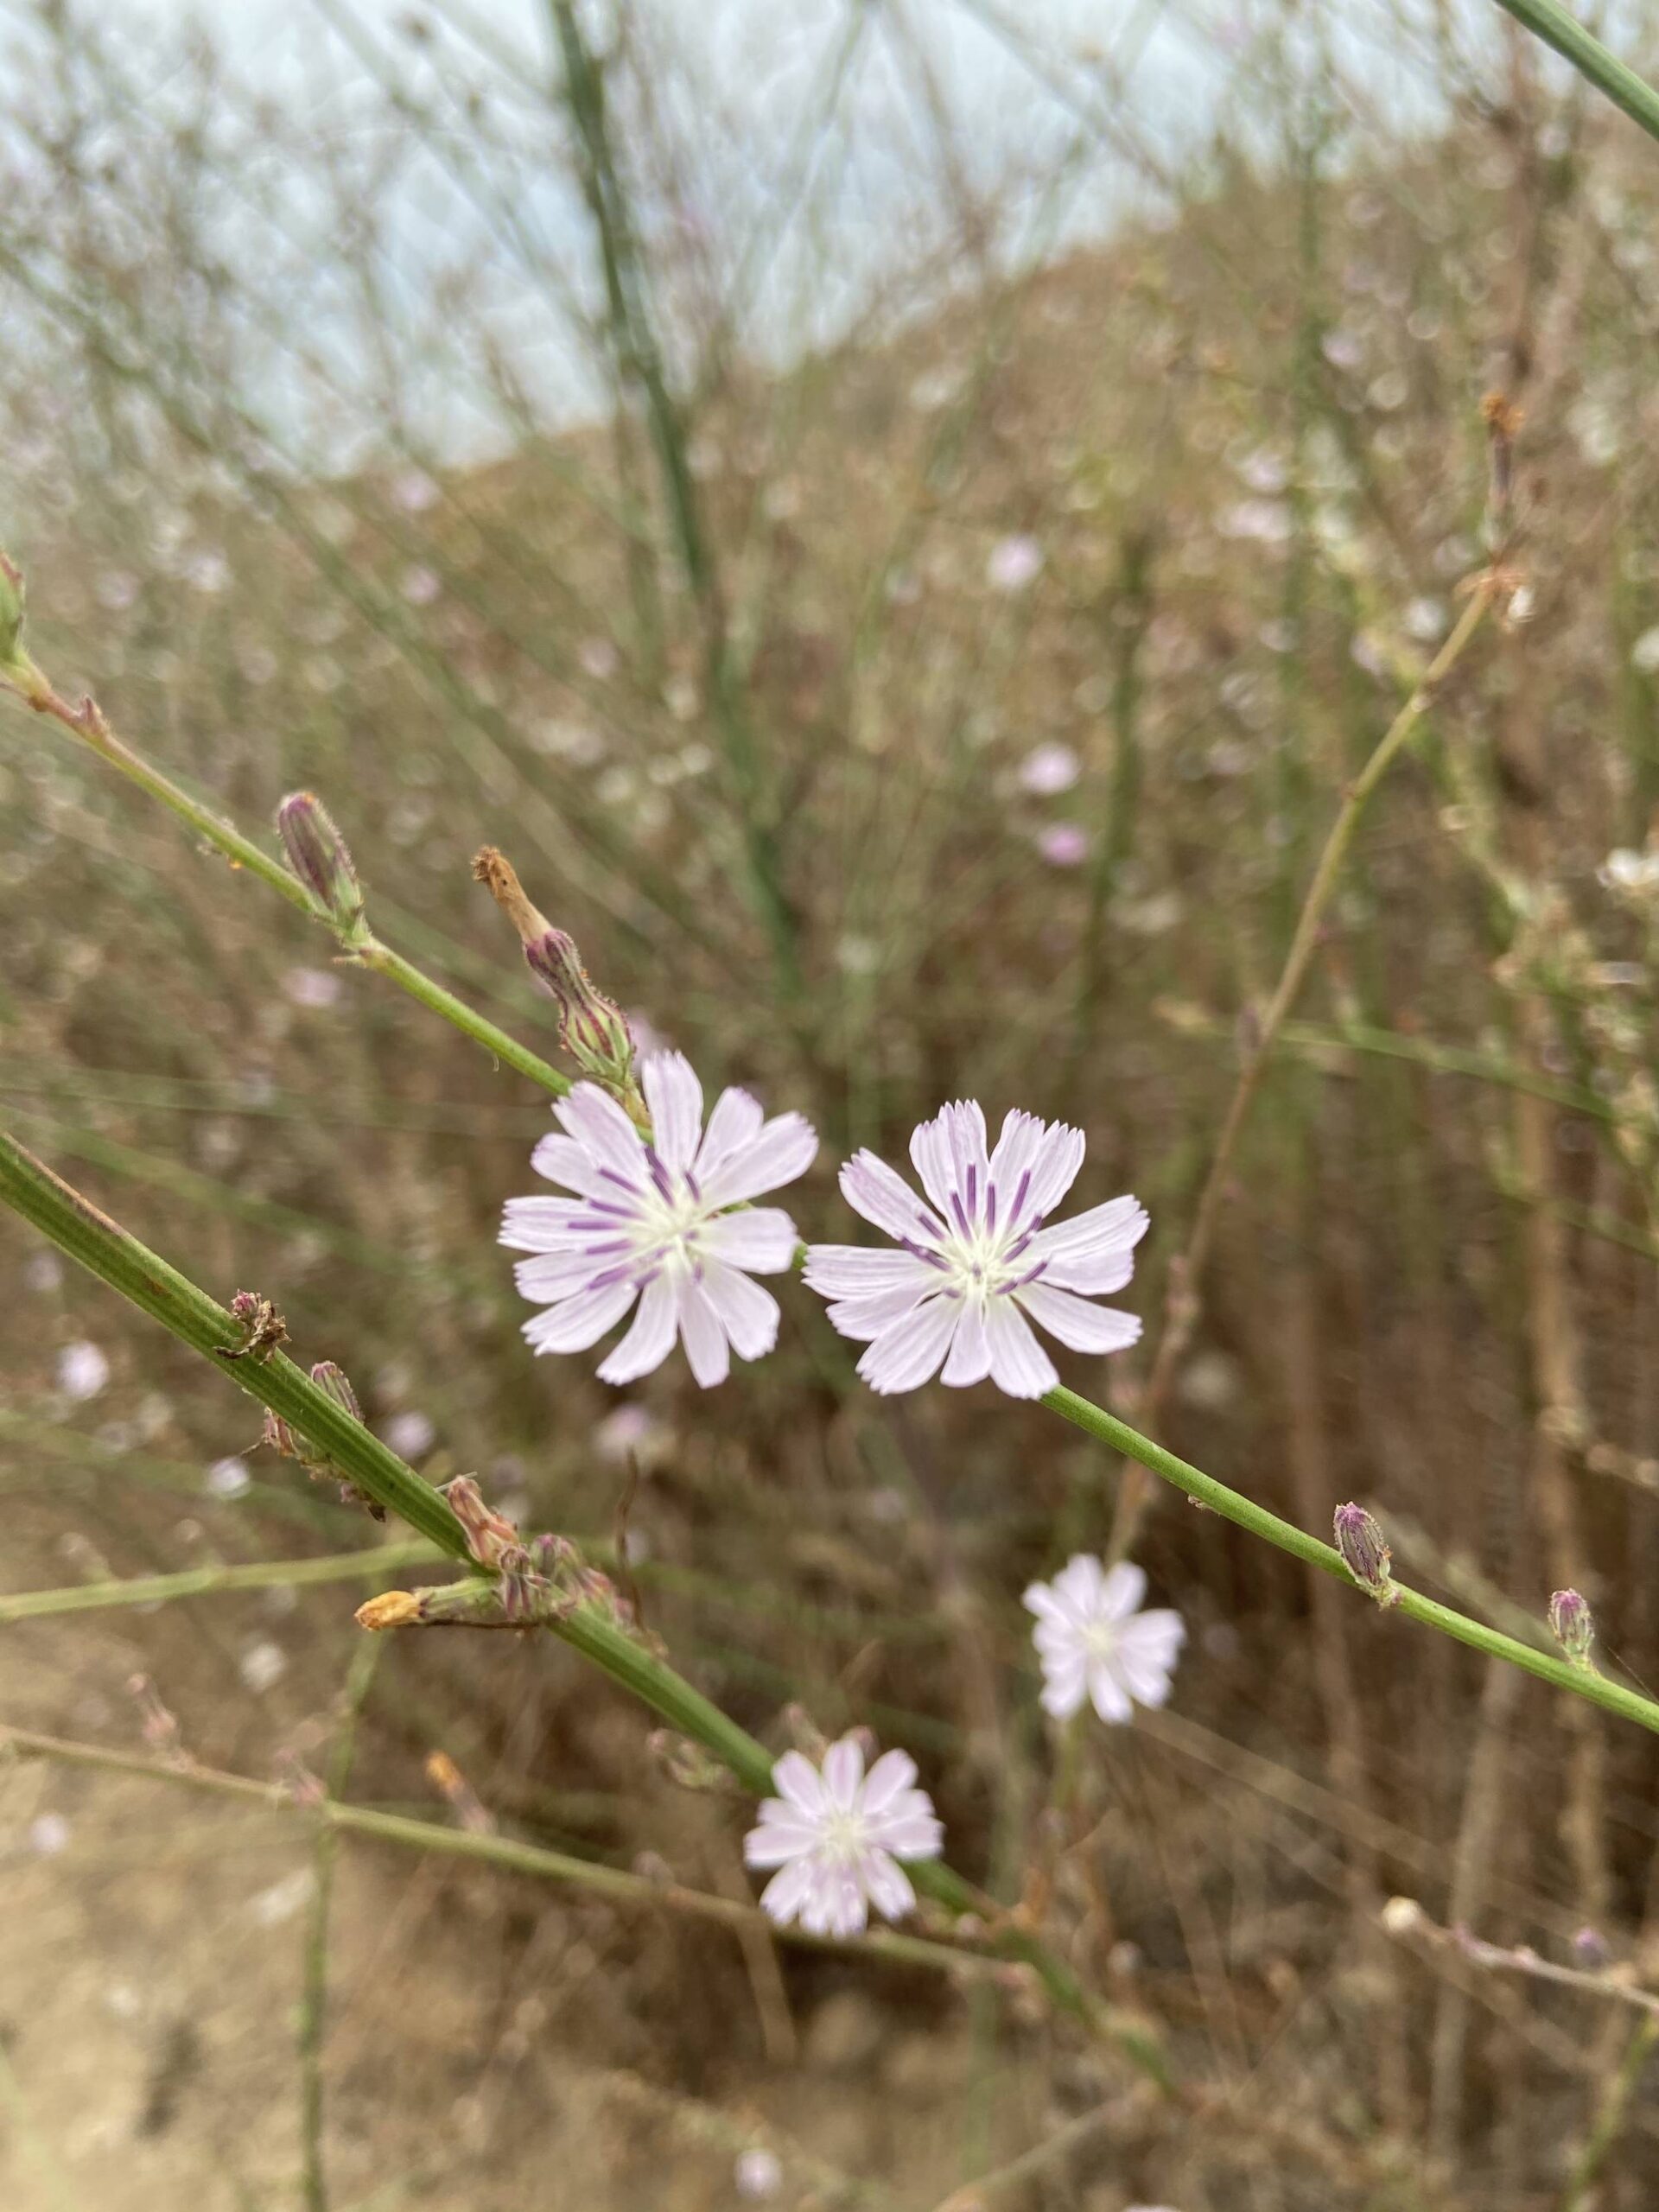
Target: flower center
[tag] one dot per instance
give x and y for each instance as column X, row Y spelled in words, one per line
column 842, row 1838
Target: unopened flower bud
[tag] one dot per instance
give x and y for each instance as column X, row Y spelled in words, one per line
column 1365, row 1552
column 1572, row 1625
column 318, row 855
column 12, row 612
column 592, row 1029
column 1591, row 1951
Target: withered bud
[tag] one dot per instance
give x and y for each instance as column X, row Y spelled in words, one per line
column 318, row 855
column 1365, row 1552
column 1572, row 1625
column 592, row 1029
column 687, row 1765
column 1502, row 419
column 491, row 1537
column 332, row 1380
column 12, row 612
column 392, row 1609
column 277, row 1436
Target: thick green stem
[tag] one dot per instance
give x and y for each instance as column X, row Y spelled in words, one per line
column 1550, row 21
column 1203, row 1490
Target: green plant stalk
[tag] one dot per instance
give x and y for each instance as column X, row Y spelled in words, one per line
column 87, row 724
column 214, row 1581
column 1548, row 20
column 117, row 1258
column 1244, row 1513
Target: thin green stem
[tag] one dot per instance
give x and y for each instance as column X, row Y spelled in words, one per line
column 1548, row 20
column 214, row 1581
column 88, row 724
column 1203, row 1490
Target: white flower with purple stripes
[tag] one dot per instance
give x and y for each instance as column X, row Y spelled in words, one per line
column 836, row 1836
column 979, row 1259
column 651, row 1220
column 1094, row 1642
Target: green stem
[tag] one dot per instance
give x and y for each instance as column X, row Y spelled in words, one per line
column 1550, row 21
column 117, row 1258
column 479, row 1027
column 213, row 1581
column 1203, row 1490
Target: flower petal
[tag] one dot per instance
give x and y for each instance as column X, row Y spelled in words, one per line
column 675, row 1099
column 553, row 1275
column 1076, row 1322
column 1060, row 1155
column 1065, row 1685
column 705, row 1340
column 555, row 1224
column 565, row 1161
column 1107, row 1694
column 748, row 1313
column 582, row 1320
column 1012, row 1163
column 971, row 1349
column 798, row 1782
column 863, row 1319
column 856, row 1271
column 735, row 1123
column 1121, row 1591
column 1088, row 1252
column 784, row 1149
column 910, row 1829
column 651, row 1339
column 886, row 1884
column 600, row 1126
column 875, row 1190
column 893, row 1774
column 774, row 1843
column 843, row 1770
column 906, row 1355
column 788, row 1891
column 762, row 1240
column 1018, row 1363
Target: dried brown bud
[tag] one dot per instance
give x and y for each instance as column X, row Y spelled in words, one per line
column 392, row 1609
column 489, row 1536
column 592, row 1029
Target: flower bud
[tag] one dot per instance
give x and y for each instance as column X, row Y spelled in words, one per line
column 392, row 1609
column 12, row 612
column 1365, row 1552
column 592, row 1028
column 318, row 855
column 1572, row 1625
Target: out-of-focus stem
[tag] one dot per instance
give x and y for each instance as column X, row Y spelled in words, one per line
column 1187, row 1269
column 1550, row 21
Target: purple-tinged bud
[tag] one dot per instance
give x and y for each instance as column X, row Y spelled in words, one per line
column 489, row 1536
column 333, row 1382
column 318, row 855
column 11, row 613
column 1365, row 1552
column 277, row 1436
column 1591, row 1950
column 1572, row 1625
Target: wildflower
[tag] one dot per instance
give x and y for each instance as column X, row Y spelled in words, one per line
column 1627, row 870
column 836, row 1836
column 757, row 2173
column 1014, row 563
column 410, row 1435
column 312, row 987
column 1048, row 770
column 83, row 1371
column 973, row 1259
column 1063, row 844
column 1093, row 1641
column 652, row 1221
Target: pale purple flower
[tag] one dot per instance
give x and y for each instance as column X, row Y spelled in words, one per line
column 1048, row 769
column 654, row 1220
column 1014, row 563
column 759, row 2174
column 83, row 1371
column 970, row 1261
column 313, row 987
column 1063, row 844
column 836, row 1836
column 410, row 1435
column 1094, row 1642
